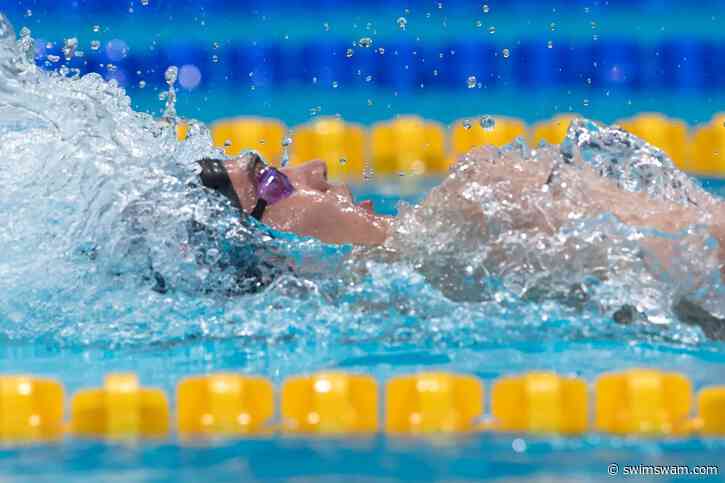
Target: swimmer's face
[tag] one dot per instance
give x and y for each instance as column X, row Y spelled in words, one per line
column 316, row 208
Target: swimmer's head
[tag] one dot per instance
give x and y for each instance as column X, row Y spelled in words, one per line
column 309, row 205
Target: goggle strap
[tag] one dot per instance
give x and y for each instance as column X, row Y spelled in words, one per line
column 258, row 210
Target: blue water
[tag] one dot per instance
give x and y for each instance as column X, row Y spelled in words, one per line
column 94, row 193
column 378, row 459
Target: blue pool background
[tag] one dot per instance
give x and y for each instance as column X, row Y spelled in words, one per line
column 602, row 59
column 669, row 56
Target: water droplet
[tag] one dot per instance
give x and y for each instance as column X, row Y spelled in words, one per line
column 141, row 84
column 365, row 42
column 171, row 74
column 95, row 44
column 69, row 47
column 492, row 30
column 348, row 53
column 488, row 123
column 486, row 8
column 466, row 124
column 402, row 23
column 96, row 28
column 550, row 44
column 506, row 53
column 471, row 81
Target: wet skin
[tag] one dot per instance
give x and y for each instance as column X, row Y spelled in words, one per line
column 316, row 208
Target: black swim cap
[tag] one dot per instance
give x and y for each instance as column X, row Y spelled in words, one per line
column 214, row 175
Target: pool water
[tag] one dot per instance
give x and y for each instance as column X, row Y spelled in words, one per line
column 97, row 196
column 503, row 352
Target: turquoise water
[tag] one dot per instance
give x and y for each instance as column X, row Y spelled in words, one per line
column 490, row 352
column 97, row 196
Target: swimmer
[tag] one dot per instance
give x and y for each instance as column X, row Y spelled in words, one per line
column 303, row 201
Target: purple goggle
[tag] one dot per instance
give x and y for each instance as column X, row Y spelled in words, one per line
column 272, row 186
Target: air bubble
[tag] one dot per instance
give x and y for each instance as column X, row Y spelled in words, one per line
column 550, row 44
column 506, row 53
column 96, row 28
column 486, row 8
column 141, row 84
column 471, row 82
column 215, row 59
column 492, row 30
column 53, row 58
column 466, row 124
column 145, row 3
column 343, row 161
column 348, row 53
column 334, row 84
column 95, row 44
column 402, row 23
column 28, row 13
